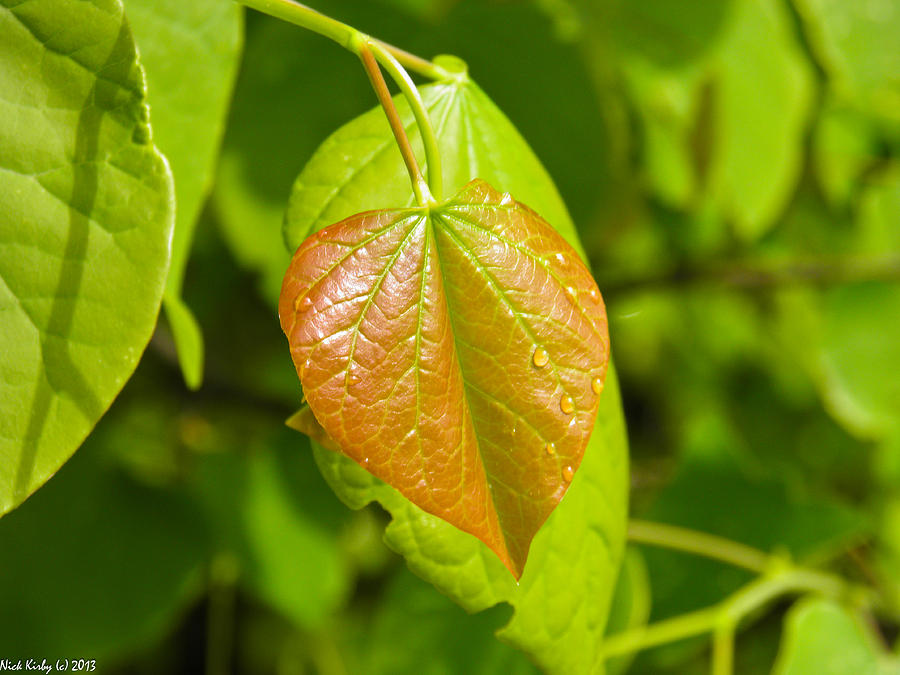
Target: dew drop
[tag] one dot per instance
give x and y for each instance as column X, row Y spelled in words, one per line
column 365, row 461
column 540, row 358
column 567, row 405
column 568, row 473
column 304, row 304
column 595, row 295
column 571, row 292
column 550, row 448
column 561, row 259
column 597, row 385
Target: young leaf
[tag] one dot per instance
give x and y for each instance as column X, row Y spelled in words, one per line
column 562, row 599
column 190, row 51
column 457, row 352
column 85, row 226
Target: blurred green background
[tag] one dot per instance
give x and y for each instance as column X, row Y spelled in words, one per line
column 732, row 166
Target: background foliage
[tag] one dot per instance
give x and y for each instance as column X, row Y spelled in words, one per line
column 732, row 169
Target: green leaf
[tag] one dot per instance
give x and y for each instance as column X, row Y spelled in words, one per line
column 562, row 600
column 85, row 223
column 96, row 563
column 359, row 168
column 763, row 90
column 190, row 52
column 563, row 597
column 823, row 638
column 457, row 352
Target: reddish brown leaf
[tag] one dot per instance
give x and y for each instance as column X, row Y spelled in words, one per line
column 457, row 353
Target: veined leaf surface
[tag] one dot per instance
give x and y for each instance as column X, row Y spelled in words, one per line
column 457, row 352
column 86, row 217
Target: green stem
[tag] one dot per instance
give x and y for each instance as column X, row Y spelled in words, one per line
column 727, row 614
column 662, row 632
column 723, row 649
column 420, row 187
column 414, row 98
column 698, row 543
column 346, row 36
column 778, row 578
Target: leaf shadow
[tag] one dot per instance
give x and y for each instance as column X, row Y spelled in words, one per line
column 61, row 374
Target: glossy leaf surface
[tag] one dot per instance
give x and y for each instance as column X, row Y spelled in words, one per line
column 457, row 353
column 190, row 51
column 85, row 225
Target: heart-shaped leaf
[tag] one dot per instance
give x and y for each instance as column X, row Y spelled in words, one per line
column 86, row 216
column 456, row 352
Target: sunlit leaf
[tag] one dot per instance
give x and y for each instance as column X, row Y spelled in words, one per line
column 359, row 167
column 457, row 353
column 85, row 225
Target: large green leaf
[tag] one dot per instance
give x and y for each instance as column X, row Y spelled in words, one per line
column 190, row 52
column 86, row 217
column 359, row 168
column 563, row 597
column 457, row 352
column 823, row 638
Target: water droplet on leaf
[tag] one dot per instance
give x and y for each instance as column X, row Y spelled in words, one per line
column 567, row 405
column 595, row 295
column 571, row 292
column 568, row 473
column 597, row 385
column 304, row 304
column 540, row 358
column 550, row 448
